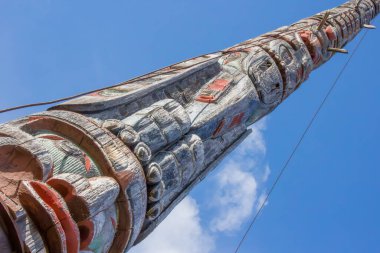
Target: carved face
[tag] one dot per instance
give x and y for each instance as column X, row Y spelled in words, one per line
column 314, row 46
column 266, row 77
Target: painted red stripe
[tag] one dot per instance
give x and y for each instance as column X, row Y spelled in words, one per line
column 55, row 201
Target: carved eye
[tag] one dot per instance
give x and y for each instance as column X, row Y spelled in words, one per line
column 275, row 87
column 265, row 65
column 286, row 56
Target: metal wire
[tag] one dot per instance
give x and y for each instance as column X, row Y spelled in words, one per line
column 283, row 169
column 158, row 71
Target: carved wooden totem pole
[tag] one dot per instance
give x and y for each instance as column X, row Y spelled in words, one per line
column 100, row 172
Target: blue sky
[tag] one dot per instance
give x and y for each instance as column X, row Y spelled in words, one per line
column 327, row 200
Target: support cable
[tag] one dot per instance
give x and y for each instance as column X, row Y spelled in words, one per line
column 283, row 169
column 220, row 53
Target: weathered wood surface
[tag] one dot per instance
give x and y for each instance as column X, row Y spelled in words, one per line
column 100, row 172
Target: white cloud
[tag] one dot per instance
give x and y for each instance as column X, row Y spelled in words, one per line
column 238, row 193
column 261, row 200
column 266, row 173
column 238, row 183
column 180, row 232
column 255, row 142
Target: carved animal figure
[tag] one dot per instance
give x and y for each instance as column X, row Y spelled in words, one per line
column 100, row 172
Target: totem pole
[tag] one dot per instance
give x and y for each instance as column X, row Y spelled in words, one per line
column 100, row 172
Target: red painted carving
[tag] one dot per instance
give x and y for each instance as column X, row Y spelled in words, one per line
column 219, row 128
column 219, row 85
column 87, row 162
column 330, row 33
column 236, row 120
